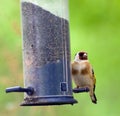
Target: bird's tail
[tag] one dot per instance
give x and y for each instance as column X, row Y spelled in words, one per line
column 94, row 99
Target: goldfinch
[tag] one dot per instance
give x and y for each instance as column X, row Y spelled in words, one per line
column 83, row 74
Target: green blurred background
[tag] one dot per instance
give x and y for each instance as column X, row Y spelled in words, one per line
column 95, row 28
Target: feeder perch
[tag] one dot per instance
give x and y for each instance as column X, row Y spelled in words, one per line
column 80, row 90
column 28, row 90
column 46, row 53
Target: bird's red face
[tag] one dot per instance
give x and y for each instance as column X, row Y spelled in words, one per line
column 83, row 55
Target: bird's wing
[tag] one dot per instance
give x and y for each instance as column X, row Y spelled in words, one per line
column 94, row 78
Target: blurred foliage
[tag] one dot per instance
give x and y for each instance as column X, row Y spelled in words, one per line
column 95, row 28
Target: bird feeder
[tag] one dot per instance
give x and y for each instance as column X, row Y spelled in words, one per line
column 46, row 53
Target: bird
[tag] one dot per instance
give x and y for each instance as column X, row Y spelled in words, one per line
column 83, row 74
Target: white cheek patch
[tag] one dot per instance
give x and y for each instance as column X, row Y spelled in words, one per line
column 77, row 57
column 85, row 54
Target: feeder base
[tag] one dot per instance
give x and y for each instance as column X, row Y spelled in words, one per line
column 44, row 101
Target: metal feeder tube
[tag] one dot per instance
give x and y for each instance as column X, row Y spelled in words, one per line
column 46, row 53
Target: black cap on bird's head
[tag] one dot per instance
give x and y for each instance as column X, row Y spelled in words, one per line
column 83, row 55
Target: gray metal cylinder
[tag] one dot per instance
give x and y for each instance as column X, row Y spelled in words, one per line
column 46, row 52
